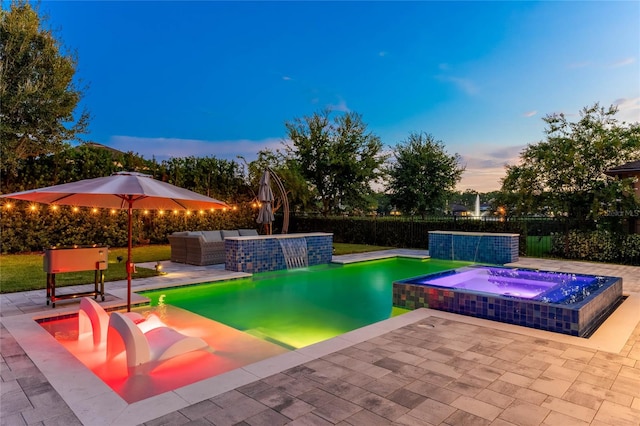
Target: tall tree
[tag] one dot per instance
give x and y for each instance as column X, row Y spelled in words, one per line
column 339, row 158
column 565, row 173
column 422, row 175
column 37, row 90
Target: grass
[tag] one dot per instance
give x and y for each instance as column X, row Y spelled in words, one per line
column 538, row 246
column 341, row 248
column 22, row 272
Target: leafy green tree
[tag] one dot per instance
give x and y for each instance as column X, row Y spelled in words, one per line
column 37, row 89
column 422, row 175
column 339, row 158
column 217, row 178
column 564, row 175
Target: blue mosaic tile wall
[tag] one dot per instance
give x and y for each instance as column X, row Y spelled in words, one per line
column 496, row 249
column 265, row 254
column 578, row 319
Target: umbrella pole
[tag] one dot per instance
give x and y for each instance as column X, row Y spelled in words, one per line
column 129, row 264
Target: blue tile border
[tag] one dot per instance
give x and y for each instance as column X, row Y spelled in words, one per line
column 578, row 319
column 264, row 253
column 492, row 248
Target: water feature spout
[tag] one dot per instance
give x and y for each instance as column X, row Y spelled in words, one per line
column 476, row 212
column 295, row 252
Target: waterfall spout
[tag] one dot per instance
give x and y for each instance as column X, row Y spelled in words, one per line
column 295, row 252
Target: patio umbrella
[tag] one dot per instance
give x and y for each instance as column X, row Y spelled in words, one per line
column 265, row 196
column 123, row 190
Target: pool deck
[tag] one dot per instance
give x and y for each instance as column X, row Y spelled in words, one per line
column 422, row 368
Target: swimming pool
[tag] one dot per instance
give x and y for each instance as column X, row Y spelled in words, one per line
column 566, row 303
column 300, row 307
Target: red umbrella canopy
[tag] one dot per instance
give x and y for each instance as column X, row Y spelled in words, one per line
column 117, row 190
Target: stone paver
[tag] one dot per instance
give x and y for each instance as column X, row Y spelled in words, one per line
column 438, row 371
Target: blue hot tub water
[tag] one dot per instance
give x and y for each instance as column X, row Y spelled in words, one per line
column 566, row 303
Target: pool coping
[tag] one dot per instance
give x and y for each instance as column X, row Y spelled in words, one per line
column 93, row 402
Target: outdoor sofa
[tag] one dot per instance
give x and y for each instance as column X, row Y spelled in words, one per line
column 202, row 247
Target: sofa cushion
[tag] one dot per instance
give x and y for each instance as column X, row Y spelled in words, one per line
column 192, row 234
column 247, row 232
column 180, row 234
column 233, row 233
column 212, row 236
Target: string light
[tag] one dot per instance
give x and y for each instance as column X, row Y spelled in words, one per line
column 146, row 212
column 94, row 210
column 201, row 212
column 160, row 212
column 188, row 213
column 33, row 207
column 75, row 210
column 113, row 211
column 175, row 212
column 54, row 208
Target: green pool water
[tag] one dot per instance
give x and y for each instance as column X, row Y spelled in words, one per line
column 299, row 307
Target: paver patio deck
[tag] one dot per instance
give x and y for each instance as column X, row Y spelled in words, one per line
column 430, row 368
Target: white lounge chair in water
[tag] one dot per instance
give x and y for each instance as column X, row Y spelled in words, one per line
column 145, row 351
column 92, row 318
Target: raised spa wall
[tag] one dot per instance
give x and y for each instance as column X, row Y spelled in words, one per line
column 481, row 247
column 577, row 319
column 263, row 253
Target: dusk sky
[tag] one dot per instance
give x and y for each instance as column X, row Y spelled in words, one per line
column 207, row 78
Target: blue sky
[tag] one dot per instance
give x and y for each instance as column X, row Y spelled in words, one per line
column 220, row 79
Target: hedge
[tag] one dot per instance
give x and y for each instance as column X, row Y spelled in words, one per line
column 26, row 230
column 601, row 246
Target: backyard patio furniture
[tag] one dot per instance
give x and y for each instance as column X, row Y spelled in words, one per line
column 178, row 247
column 203, row 247
column 144, row 351
column 92, row 318
column 58, row 260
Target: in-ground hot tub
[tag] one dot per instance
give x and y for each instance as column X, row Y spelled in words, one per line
column 573, row 304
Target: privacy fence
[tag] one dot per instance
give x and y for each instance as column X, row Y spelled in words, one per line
column 607, row 240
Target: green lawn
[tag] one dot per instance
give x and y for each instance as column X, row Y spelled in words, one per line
column 21, row 272
column 538, row 246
